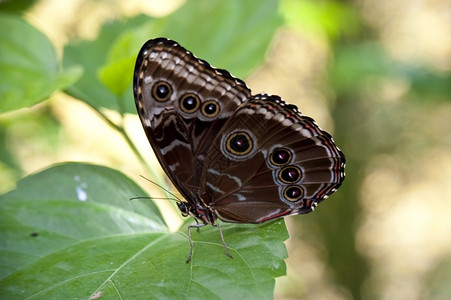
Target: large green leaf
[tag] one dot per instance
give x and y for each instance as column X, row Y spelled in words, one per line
column 71, row 231
column 232, row 35
column 65, row 205
column 28, row 65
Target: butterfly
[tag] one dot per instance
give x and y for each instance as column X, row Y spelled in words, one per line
column 232, row 155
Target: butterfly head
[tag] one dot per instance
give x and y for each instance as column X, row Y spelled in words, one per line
column 206, row 215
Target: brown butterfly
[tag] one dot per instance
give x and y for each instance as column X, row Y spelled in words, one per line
column 235, row 156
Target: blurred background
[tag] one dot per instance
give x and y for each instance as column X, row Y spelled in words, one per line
column 374, row 73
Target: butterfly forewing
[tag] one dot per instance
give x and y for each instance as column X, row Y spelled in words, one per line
column 182, row 102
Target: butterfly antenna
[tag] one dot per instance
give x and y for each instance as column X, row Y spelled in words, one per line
column 164, row 189
column 155, row 198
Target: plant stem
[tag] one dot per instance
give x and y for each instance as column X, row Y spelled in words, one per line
column 121, row 129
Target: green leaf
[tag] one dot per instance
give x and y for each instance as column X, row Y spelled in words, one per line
column 108, row 75
column 98, row 63
column 333, row 19
column 16, row 5
column 28, row 65
column 67, row 204
column 232, row 35
column 71, row 231
column 121, row 60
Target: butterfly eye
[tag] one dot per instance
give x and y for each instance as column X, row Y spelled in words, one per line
column 293, row 193
column 290, row 174
column 210, row 109
column 161, row 91
column 280, row 157
column 189, row 103
column 239, row 143
column 183, row 209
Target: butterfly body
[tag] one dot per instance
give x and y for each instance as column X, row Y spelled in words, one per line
column 234, row 156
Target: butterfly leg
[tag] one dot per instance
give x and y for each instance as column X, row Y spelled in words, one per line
column 197, row 227
column 191, row 240
column 223, row 241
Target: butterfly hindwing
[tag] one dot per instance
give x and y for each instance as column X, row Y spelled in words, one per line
column 269, row 161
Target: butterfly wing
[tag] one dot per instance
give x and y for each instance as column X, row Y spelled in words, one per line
column 182, row 102
column 269, row 161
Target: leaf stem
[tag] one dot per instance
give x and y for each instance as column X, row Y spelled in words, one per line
column 121, row 129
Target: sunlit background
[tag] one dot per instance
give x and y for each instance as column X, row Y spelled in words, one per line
column 376, row 73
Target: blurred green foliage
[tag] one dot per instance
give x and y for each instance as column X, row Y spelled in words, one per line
column 333, row 19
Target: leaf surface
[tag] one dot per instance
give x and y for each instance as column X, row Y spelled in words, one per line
column 29, row 67
column 71, row 231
